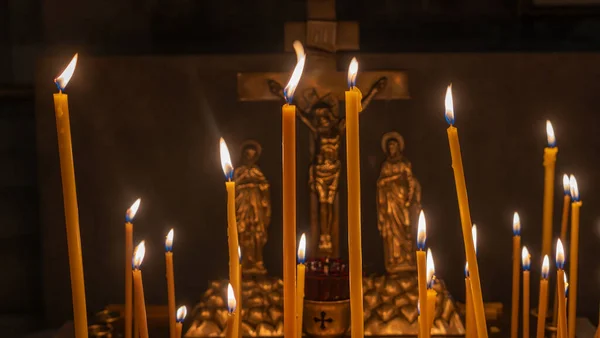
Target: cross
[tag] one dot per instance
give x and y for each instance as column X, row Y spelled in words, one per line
column 323, row 320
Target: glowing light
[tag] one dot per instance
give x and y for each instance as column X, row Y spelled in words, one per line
column 550, row 135
column 467, row 269
column 526, row 259
column 574, row 188
column 545, row 267
column 169, row 241
column 516, row 224
column 566, row 185
column 560, row 255
column 240, row 254
column 302, row 250
column 566, row 284
column 449, row 105
column 130, row 213
column 226, row 160
column 288, row 91
column 474, row 235
column 231, row 302
column 430, row 269
column 63, row 79
column 421, row 231
column 181, row 314
column 352, row 72
column 138, row 255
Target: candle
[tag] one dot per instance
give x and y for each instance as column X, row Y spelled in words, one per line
column 140, row 302
column 543, row 298
column 301, row 271
column 181, row 314
column 67, row 173
column 526, row 260
column 563, row 232
column 549, row 164
column 431, row 294
column 469, row 314
column 514, row 322
column 129, row 215
column 232, row 234
column 560, row 285
column 575, row 206
column 239, row 278
column 231, row 305
column 288, row 130
column 422, row 269
column 170, row 283
column 465, row 216
column 353, row 108
column 566, row 293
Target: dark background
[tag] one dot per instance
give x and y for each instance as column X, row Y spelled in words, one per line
column 148, row 126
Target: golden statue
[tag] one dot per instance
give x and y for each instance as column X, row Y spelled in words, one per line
column 253, row 208
column 398, row 199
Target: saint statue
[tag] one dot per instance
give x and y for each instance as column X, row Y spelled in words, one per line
column 253, row 208
column 398, row 201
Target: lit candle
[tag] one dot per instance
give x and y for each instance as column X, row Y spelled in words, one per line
column 301, row 271
column 560, row 285
column 549, row 164
column 129, row 216
column 67, row 173
column 474, row 235
column 465, row 216
column 231, row 306
column 239, row 278
column 140, row 302
column 526, row 260
column 514, row 322
column 232, row 233
column 181, row 314
column 543, row 298
column 469, row 314
column 422, row 269
column 575, row 206
column 566, row 292
column 563, row 232
column 431, row 294
column 288, row 130
column 170, row 283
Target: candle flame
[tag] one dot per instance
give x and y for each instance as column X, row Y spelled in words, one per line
column 63, row 79
column 430, row 269
column 474, row 235
column 574, row 188
column 449, row 105
column 545, row 267
column 226, row 160
column 526, row 259
column 231, row 302
column 302, row 249
column 169, row 241
column 550, row 134
column 566, row 185
column 566, row 284
column 138, row 255
column 130, row 213
column 288, row 91
column 466, row 269
column 240, row 254
column 181, row 314
column 352, row 71
column 516, row 224
column 560, row 255
column 421, row 231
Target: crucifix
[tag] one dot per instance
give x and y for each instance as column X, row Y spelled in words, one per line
column 317, row 100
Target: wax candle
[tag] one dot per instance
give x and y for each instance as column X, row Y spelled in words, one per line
column 231, row 306
column 549, row 165
column 526, row 261
column 140, row 302
column 67, row 173
column 288, row 130
column 301, row 271
column 563, row 232
column 543, row 298
column 170, row 283
column 431, row 294
column 566, row 293
column 129, row 216
column 560, row 285
column 239, row 279
column 573, row 265
column 465, row 216
column 422, row 269
column 514, row 322
column 232, row 232
column 469, row 314
column 181, row 314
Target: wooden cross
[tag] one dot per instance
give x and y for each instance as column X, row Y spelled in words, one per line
column 323, row 320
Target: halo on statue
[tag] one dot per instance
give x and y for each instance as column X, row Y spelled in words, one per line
column 251, row 143
column 392, row 135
